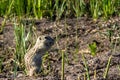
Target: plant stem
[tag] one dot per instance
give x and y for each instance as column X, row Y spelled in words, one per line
column 62, row 77
column 107, row 68
column 86, row 67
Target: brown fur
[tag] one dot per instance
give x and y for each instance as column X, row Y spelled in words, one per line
column 33, row 58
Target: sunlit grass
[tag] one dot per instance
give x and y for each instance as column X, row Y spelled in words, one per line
column 79, row 7
column 21, row 38
column 60, row 8
column 95, row 9
column 6, row 14
column 108, row 7
column 20, row 45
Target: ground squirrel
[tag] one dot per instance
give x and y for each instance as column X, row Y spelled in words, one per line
column 33, row 58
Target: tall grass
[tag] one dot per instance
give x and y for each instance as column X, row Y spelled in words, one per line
column 6, row 11
column 79, row 7
column 117, row 7
column 58, row 8
column 95, row 8
column 108, row 7
column 23, row 35
column 20, row 45
column 42, row 8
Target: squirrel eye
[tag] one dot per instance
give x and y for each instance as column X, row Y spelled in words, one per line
column 39, row 38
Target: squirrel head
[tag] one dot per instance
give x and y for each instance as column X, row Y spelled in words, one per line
column 44, row 42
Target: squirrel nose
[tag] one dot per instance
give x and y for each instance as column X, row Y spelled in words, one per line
column 50, row 39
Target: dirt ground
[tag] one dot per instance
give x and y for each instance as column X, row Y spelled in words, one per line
column 87, row 32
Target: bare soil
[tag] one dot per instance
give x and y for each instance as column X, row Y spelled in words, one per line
column 65, row 32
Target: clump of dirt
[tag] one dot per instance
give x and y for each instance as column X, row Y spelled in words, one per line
column 72, row 36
